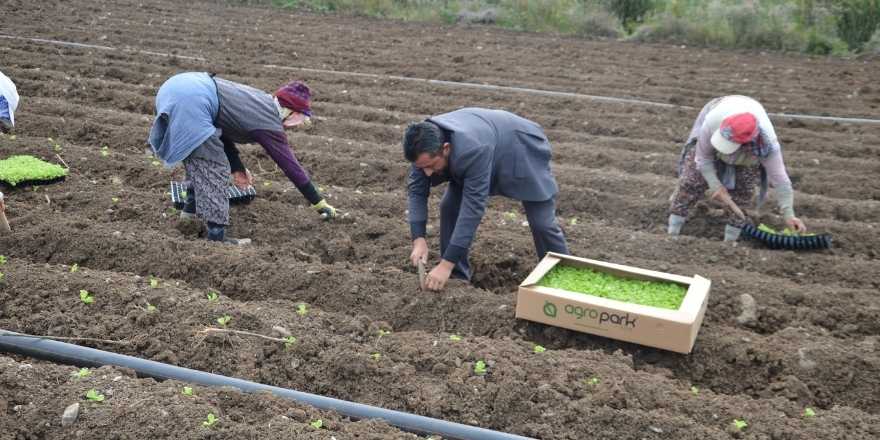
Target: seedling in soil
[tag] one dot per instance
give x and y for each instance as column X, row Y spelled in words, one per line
column 187, row 391
column 86, row 297
column 583, row 280
column 94, row 396
column 267, row 183
column 210, row 421
column 302, row 309
column 510, row 215
column 155, row 163
column 809, row 413
column 154, row 282
column 2, row 276
column 105, row 151
column 573, row 221
column 695, row 390
column 81, row 373
column 151, row 308
column 288, row 342
column 382, row 333
column 74, row 268
column 376, row 356
column 738, row 425
column 539, row 349
column 223, row 320
column 317, row 424
column 2, row 260
column 480, row 368
column 212, row 296
column 593, row 381
column 114, row 199
column 454, row 338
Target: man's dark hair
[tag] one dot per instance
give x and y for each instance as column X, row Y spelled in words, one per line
column 422, row 137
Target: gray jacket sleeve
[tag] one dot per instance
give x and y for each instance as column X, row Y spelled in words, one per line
column 418, row 189
column 475, row 195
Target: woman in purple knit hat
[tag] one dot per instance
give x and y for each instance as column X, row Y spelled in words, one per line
column 200, row 118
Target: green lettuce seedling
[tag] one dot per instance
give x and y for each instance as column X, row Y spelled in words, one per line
column 288, row 342
column 539, row 349
column 593, row 381
column 376, row 356
column 151, row 308
column 809, row 412
column 114, row 199
column 317, row 424
column 94, row 396
column 2, row 276
column 223, row 320
column 154, row 282
column 739, row 425
column 212, row 296
column 695, row 390
column 81, row 373
column 454, row 338
column 590, row 282
column 302, row 309
column 74, row 268
column 86, row 297
column 2, row 260
column 480, row 368
column 211, row 420
column 573, row 221
column 187, row 391
column 105, row 151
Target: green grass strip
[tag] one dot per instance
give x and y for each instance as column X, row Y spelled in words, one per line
column 582, row 280
column 18, row 169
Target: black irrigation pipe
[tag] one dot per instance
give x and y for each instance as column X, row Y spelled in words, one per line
column 65, row 353
column 788, row 242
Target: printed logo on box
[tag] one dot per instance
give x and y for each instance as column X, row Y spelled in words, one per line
column 586, row 313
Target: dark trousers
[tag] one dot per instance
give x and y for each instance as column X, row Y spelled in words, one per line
column 546, row 232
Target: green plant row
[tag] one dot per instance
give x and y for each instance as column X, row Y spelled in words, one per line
column 590, row 282
column 17, row 169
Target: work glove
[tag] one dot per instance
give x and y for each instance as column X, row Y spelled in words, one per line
column 327, row 212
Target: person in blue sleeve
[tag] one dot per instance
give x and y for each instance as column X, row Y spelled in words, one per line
column 480, row 153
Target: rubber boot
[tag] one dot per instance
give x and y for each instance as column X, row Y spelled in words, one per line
column 218, row 233
column 731, row 233
column 675, row 223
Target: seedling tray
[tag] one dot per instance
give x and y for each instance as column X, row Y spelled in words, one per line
column 236, row 195
column 669, row 329
column 23, row 170
column 788, row 242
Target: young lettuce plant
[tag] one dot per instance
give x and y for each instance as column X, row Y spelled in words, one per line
column 211, row 420
column 592, row 381
column 187, row 391
column 480, row 368
column 454, row 338
column 809, row 413
column 94, row 396
column 86, row 297
column 539, row 349
column 74, row 268
column 3, row 260
column 695, row 390
column 288, row 342
column 151, row 308
column 81, row 373
column 302, row 309
column 212, row 296
column 738, row 425
column 223, row 320
column 376, row 356
column 317, row 424
column 154, row 282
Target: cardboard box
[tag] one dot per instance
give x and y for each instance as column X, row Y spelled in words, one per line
column 674, row 330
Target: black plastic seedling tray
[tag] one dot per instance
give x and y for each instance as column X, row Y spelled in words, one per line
column 35, row 182
column 788, row 242
column 236, row 195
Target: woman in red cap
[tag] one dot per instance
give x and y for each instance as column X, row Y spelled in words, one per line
column 200, row 118
column 731, row 149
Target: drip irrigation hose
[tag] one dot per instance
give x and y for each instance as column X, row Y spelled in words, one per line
column 788, row 242
column 65, row 353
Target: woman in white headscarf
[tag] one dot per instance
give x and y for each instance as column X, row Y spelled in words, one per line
column 8, row 103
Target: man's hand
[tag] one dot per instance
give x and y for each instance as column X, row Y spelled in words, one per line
column 796, row 224
column 242, row 179
column 438, row 276
column 419, row 251
column 327, row 212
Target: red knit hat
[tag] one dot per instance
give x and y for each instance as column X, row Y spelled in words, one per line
column 296, row 96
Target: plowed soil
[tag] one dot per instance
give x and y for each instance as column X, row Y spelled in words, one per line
column 814, row 342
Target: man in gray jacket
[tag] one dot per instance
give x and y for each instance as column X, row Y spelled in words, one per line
column 481, row 153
